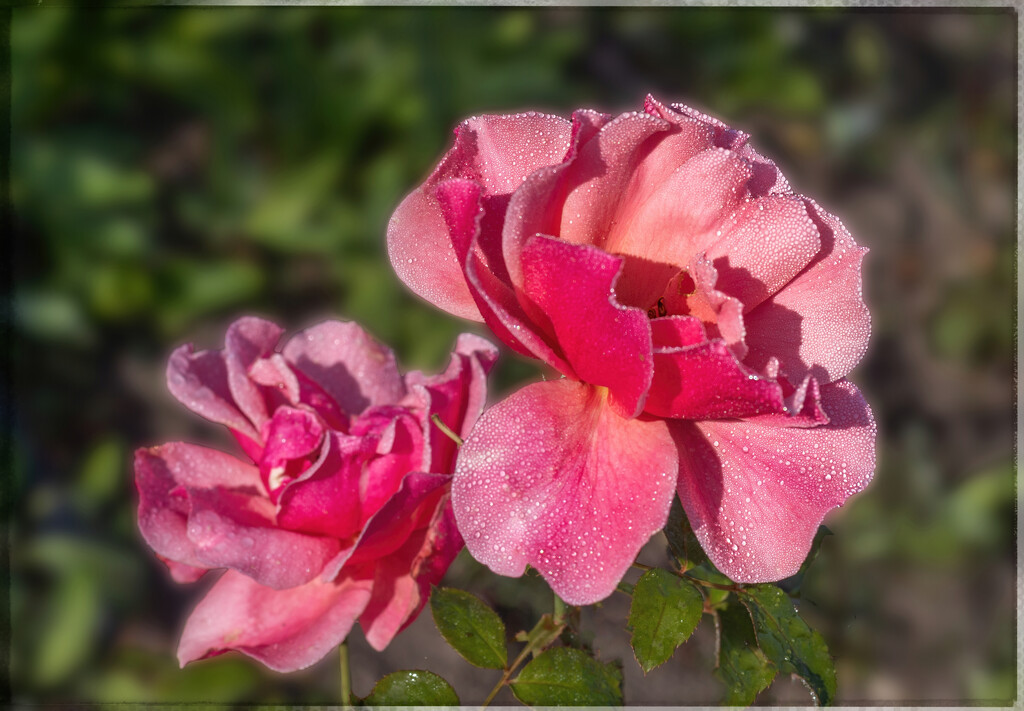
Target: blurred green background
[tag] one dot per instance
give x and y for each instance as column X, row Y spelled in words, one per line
column 173, row 168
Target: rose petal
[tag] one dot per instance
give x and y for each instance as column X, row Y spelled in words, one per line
column 286, row 630
column 606, row 343
column 495, row 298
column 552, row 477
column 247, row 340
column 755, row 494
column 818, row 323
column 200, row 382
column 349, row 364
column 706, row 381
column 491, row 150
column 764, row 244
column 163, row 475
column 403, row 579
column 456, row 396
column 680, row 218
column 206, row 509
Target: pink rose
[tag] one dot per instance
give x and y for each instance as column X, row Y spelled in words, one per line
column 343, row 513
column 704, row 318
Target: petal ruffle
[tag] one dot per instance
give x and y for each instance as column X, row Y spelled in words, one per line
column 200, row 382
column 552, row 477
column 348, row 363
column 756, row 493
column 286, row 630
column 818, row 323
column 706, row 381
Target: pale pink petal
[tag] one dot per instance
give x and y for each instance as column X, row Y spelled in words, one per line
column 200, row 382
column 286, row 630
column 818, row 323
column 554, row 478
column 248, row 339
column 536, row 205
column 402, row 583
column 755, row 494
column 606, row 343
column 680, row 219
column 706, row 381
column 496, row 151
column 349, row 364
column 763, row 245
column 162, row 475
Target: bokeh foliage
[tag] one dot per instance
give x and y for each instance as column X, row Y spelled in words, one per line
column 175, row 167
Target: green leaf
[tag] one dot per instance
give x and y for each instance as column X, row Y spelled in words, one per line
column 471, row 627
column 412, row 688
column 681, row 540
column 664, row 613
column 568, row 677
column 789, row 643
column 742, row 666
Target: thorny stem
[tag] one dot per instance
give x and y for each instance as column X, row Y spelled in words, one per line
column 346, row 679
column 436, row 419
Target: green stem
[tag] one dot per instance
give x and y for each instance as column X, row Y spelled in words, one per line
column 446, row 429
column 346, row 679
column 559, row 610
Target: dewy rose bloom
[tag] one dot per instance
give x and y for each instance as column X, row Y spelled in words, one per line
column 704, row 318
column 345, row 510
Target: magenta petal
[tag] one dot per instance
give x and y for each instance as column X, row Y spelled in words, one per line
column 495, row 298
column 286, row 630
column 456, row 396
column 326, row 498
column 818, row 323
column 553, row 477
column 755, row 494
column 349, row 364
column 706, row 381
column 489, row 150
column 402, row 583
column 606, row 343
column 200, row 382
